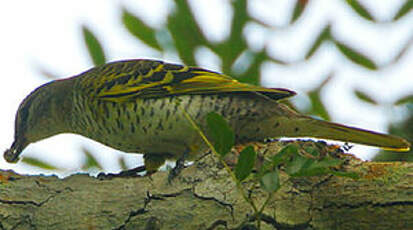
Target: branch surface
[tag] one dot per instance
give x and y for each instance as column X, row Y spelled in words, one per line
column 204, row 197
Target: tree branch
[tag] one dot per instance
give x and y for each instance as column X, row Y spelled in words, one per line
column 204, row 197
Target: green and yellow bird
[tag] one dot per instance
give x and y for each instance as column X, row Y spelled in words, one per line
column 137, row 106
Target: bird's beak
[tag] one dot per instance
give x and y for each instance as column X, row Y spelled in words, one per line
column 12, row 155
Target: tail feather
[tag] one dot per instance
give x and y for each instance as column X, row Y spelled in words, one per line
column 308, row 127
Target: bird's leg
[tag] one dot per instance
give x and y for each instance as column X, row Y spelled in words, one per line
column 132, row 172
column 180, row 164
column 153, row 161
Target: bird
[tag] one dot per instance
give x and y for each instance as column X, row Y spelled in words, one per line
column 139, row 106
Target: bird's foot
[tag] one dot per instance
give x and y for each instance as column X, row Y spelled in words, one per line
column 180, row 164
column 126, row 173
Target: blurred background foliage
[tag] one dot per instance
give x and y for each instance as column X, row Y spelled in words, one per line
column 182, row 35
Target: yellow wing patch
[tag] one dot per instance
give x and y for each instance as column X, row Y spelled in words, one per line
column 165, row 80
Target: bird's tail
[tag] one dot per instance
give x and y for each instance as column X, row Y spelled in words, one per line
column 303, row 126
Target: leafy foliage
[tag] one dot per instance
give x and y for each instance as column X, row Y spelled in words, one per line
column 404, row 10
column 364, row 97
column 299, row 8
column 185, row 35
column 245, row 163
column 356, row 57
column 221, row 133
column 360, row 9
column 38, row 163
column 271, row 181
column 405, row 100
column 325, row 35
column 140, row 30
column 185, row 31
column 91, row 162
column 317, row 106
column 94, row 47
column 290, row 159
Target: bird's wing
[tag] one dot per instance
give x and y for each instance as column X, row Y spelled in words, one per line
column 152, row 79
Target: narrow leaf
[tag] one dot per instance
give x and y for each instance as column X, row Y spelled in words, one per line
column 312, row 151
column 122, row 163
column 299, row 8
column 324, row 36
column 317, row 167
column 355, row 56
column 230, row 49
column 185, row 32
column 252, row 74
column 360, row 9
column 94, row 47
column 317, row 106
column 404, row 100
column 47, row 73
column 90, row 161
column 38, row 163
column 221, row 134
column 298, row 164
column 140, row 30
column 245, row 164
column 403, row 51
column 285, row 152
column 271, row 181
column 364, row 97
column 404, row 9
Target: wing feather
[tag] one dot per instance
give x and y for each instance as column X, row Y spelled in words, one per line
column 164, row 80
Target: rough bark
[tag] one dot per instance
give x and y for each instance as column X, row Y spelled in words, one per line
column 204, row 197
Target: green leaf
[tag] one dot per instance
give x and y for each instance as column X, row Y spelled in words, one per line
column 355, row 56
column 324, row 36
column 38, row 163
column 94, row 47
column 91, row 161
column 317, row 106
column 271, row 181
column 245, row 164
column 402, row 51
column 122, row 163
column 47, row 73
column 185, row 32
column 299, row 8
column 140, row 30
column 404, row 100
column 404, row 9
column 252, row 74
column 285, row 152
column 312, row 167
column 360, row 9
column 297, row 164
column 221, row 133
column 312, row 151
column 364, row 97
column 230, row 49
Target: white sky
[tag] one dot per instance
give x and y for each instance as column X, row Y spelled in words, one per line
column 46, row 35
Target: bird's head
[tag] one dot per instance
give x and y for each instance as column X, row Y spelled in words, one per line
column 40, row 115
